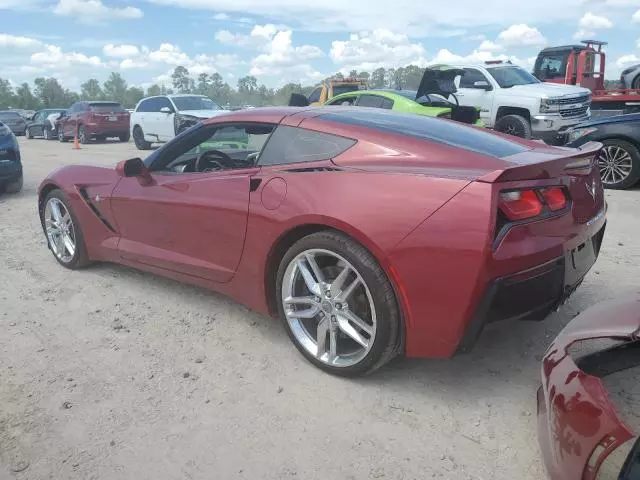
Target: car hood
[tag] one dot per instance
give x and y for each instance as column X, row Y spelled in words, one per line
column 630, row 117
column 578, row 424
column 440, row 80
column 546, row 90
column 203, row 113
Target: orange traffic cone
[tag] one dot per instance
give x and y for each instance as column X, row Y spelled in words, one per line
column 76, row 143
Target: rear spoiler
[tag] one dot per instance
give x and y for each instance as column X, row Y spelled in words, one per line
column 576, row 162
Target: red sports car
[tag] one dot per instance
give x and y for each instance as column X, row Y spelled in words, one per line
column 589, row 402
column 370, row 233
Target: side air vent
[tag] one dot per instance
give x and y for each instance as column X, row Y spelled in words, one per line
column 95, row 210
column 315, row 169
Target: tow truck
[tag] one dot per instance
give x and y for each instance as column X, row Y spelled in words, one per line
column 335, row 86
column 584, row 65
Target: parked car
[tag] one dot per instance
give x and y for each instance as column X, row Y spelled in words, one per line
column 435, row 97
column 14, row 121
column 159, row 119
column 513, row 101
column 588, row 422
column 619, row 160
column 10, row 161
column 94, row 120
column 44, row 123
column 457, row 209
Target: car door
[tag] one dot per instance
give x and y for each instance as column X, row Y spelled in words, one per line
column 471, row 94
column 189, row 223
column 166, row 121
column 35, row 128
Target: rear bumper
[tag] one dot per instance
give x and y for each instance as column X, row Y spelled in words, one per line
column 534, row 293
column 9, row 172
column 106, row 130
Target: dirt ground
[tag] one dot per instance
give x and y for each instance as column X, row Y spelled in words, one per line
column 109, row 373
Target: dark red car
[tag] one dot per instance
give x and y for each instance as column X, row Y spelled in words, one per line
column 589, row 401
column 370, row 233
column 93, row 121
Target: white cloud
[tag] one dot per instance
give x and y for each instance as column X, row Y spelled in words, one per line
column 626, row 60
column 589, row 20
column 379, row 48
column 489, row 46
column 477, row 56
column 636, row 17
column 53, row 56
column 129, row 63
column 221, row 16
column 94, row 11
column 120, row 51
column 12, row 41
column 522, row 34
column 583, row 34
column 259, row 37
column 169, row 54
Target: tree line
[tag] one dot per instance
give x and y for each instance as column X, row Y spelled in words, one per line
column 50, row 93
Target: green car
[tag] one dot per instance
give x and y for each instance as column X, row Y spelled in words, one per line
column 435, row 97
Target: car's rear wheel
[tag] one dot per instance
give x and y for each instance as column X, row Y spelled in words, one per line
column 337, row 304
column 46, row 133
column 619, row 164
column 63, row 232
column 83, row 137
column 515, row 125
column 138, row 139
column 124, row 137
column 29, row 134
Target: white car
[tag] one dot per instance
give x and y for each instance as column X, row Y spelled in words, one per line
column 513, row 101
column 159, row 119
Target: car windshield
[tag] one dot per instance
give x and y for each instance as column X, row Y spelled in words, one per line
column 195, row 103
column 10, row 116
column 338, row 89
column 508, row 77
column 106, row 107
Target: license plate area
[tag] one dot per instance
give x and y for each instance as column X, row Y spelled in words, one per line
column 579, row 261
column 113, row 119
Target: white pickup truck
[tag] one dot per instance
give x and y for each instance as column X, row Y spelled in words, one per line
column 513, row 101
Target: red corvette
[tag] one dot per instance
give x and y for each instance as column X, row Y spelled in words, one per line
column 370, row 233
column 588, row 416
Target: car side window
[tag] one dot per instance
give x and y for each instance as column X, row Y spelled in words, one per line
column 315, row 95
column 162, row 102
column 297, row 145
column 143, row 106
column 375, row 101
column 470, row 77
column 344, row 100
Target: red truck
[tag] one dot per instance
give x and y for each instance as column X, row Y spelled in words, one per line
column 584, row 65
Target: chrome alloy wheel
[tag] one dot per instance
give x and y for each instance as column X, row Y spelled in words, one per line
column 60, row 231
column 329, row 307
column 615, row 164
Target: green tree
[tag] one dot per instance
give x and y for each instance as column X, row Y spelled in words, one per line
column 353, row 73
column 377, row 79
column 247, row 84
column 154, row 90
column 115, row 88
column 91, row 90
column 181, row 81
column 6, row 94
column 50, row 93
column 133, row 96
column 204, row 84
column 24, row 98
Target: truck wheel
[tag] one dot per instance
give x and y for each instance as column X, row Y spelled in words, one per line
column 619, row 164
column 515, row 125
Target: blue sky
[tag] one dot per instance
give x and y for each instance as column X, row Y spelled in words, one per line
column 294, row 40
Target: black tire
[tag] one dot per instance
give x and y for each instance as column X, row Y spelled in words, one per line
column 14, row 187
column 83, row 138
column 634, row 176
column 29, row 135
column 515, row 125
column 385, row 344
column 125, row 137
column 635, row 84
column 61, row 137
column 46, row 133
column 138, row 139
column 80, row 259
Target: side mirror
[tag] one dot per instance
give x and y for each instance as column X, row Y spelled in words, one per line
column 165, row 110
column 482, row 85
column 134, row 167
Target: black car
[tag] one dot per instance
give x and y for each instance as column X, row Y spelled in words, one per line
column 10, row 162
column 14, row 121
column 619, row 160
column 41, row 126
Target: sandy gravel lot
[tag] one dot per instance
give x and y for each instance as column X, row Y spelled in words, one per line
column 109, row 373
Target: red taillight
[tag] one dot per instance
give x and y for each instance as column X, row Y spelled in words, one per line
column 520, row 204
column 554, row 198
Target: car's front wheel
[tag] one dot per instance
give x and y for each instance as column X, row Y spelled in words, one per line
column 515, row 125
column 619, row 164
column 63, row 232
column 337, row 304
column 29, row 134
column 138, row 139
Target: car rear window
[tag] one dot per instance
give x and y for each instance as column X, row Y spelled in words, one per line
column 432, row 129
column 106, row 108
column 10, row 115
